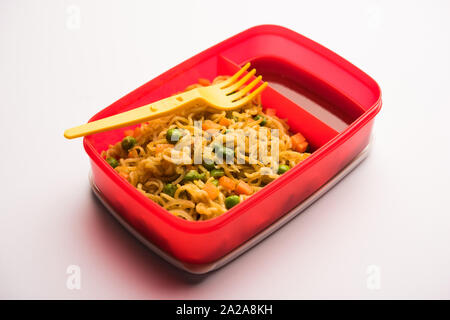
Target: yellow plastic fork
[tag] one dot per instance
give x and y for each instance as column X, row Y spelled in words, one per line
column 228, row 95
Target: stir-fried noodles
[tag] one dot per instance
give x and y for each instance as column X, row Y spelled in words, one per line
column 199, row 163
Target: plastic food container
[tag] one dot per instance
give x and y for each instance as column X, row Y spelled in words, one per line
column 329, row 100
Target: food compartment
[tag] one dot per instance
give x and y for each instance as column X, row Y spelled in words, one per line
column 149, row 218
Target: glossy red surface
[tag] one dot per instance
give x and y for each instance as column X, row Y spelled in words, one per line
column 350, row 95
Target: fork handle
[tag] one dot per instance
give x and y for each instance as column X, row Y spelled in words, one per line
column 145, row 113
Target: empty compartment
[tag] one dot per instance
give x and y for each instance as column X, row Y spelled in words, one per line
column 299, row 119
column 317, row 97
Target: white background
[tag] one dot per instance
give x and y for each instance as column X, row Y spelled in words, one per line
column 392, row 212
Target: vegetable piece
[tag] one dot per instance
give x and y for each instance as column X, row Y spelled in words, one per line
column 190, row 175
column 124, row 175
column 302, row 147
column 209, row 164
column 194, row 175
column 271, row 112
column 204, row 82
column 170, row 189
column 225, row 122
column 211, row 190
column 212, row 132
column 283, row 168
column 173, row 135
column 217, row 173
column 243, row 188
column 161, row 147
column 112, row 162
column 137, row 131
column 263, row 121
column 208, row 124
column 222, row 151
column 299, row 143
column 231, row 201
column 215, row 182
column 129, row 133
column 128, row 143
column 229, row 153
column 227, row 183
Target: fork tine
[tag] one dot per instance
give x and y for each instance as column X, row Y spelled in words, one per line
column 240, row 83
column 248, row 98
column 244, row 91
column 235, row 76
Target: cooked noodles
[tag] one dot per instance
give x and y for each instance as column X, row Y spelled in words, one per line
column 160, row 157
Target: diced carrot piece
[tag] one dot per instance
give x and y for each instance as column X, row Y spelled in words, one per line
column 190, row 87
column 204, row 82
column 162, row 146
column 298, row 138
column 137, row 131
column 213, row 132
column 271, row 112
column 123, row 175
column 243, row 188
column 227, row 183
column 208, row 124
column 225, row 122
column 299, row 143
column 302, row 147
column 211, row 190
column 129, row 133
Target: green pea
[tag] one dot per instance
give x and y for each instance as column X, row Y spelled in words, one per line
column 283, row 168
column 222, row 151
column 263, row 122
column 194, row 175
column 231, row 201
column 190, row 175
column 217, row 173
column 229, row 153
column 128, row 143
column 201, row 176
column 173, row 135
column 215, row 182
column 112, row 162
column 218, row 148
column 170, row 189
column 209, row 164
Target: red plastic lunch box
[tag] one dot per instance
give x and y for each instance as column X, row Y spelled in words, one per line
column 329, row 100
